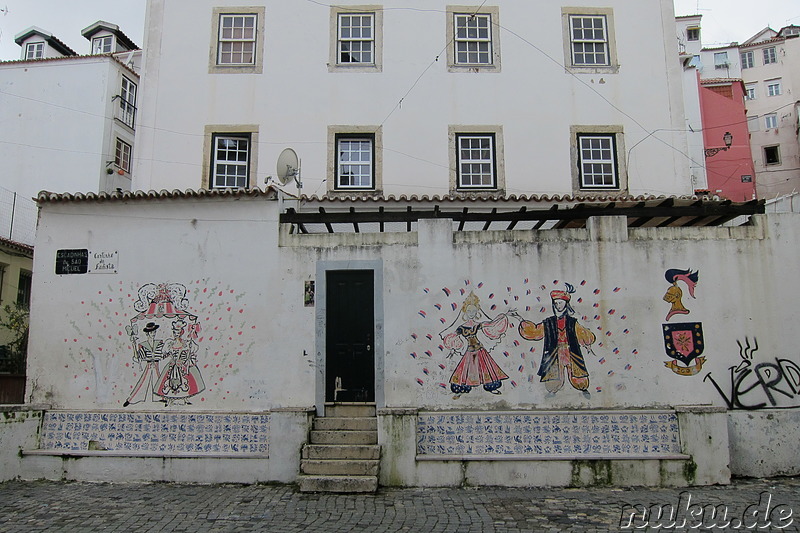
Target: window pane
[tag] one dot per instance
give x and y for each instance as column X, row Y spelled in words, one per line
column 231, row 162
column 597, row 161
column 355, row 40
column 473, row 39
column 355, row 163
column 237, row 39
column 476, row 161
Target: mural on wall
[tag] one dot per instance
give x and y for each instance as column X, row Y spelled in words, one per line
column 500, row 312
column 161, row 343
column 564, row 339
column 476, row 366
column 683, row 342
column 674, row 294
column 759, row 386
column 164, row 306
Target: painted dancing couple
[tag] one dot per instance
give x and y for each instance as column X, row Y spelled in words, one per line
column 564, row 342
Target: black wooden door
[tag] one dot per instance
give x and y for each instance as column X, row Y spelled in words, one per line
column 350, row 336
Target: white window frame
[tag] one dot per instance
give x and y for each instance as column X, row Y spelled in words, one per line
column 127, row 102
column 773, row 87
column 770, row 55
column 493, row 162
column 219, row 62
column 103, row 44
column 476, row 161
column 360, row 145
column 693, row 34
column 352, row 41
column 748, row 59
column 340, row 135
column 123, row 151
column 243, row 145
column 473, row 47
column 752, row 123
column 721, row 60
column 237, row 39
column 618, row 170
column 750, row 91
column 473, row 39
column 375, row 15
column 599, row 45
column 771, row 121
column 34, row 50
column 573, row 58
column 597, row 159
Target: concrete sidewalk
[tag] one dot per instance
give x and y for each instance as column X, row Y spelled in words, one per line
column 100, row 507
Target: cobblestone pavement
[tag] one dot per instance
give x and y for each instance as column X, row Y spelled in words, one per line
column 164, row 507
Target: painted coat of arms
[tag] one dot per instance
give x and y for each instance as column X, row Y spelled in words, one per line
column 683, row 342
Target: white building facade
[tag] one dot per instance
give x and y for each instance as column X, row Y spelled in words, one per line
column 424, row 98
column 69, row 119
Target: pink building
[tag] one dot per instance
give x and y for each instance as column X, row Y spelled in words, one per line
column 728, row 159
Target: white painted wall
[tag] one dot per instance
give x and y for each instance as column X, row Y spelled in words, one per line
column 259, row 343
column 297, row 98
column 58, row 125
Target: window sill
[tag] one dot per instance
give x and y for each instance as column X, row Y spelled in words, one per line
column 491, row 69
column 613, row 69
column 235, row 69
column 354, row 68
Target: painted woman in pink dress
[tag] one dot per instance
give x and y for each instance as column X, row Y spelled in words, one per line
column 180, row 378
column 476, row 366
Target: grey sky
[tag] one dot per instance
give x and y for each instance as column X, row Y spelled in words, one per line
column 724, row 21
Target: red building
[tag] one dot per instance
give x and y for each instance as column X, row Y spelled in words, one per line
column 729, row 163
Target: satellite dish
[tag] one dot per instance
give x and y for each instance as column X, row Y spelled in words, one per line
column 288, row 167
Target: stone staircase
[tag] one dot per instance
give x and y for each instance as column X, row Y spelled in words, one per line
column 343, row 452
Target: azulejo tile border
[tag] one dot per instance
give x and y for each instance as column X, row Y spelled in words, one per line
column 235, row 434
column 548, row 435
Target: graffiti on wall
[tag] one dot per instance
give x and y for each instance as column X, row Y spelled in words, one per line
column 490, row 339
column 160, row 343
column 683, row 342
column 751, row 385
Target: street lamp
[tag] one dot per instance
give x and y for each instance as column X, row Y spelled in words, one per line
column 727, row 139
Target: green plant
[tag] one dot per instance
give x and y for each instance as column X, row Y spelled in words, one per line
column 16, row 319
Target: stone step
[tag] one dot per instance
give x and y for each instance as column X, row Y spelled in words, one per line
column 338, row 483
column 349, row 409
column 343, row 437
column 341, row 451
column 346, row 424
column 339, row 467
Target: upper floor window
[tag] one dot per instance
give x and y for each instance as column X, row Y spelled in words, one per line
column 748, row 60
column 354, row 159
column 772, row 155
column 356, row 38
column 598, row 162
column 127, row 102
column 769, row 55
column 598, row 159
column 692, row 34
column 773, row 87
column 355, row 162
column 34, row 50
column 476, row 161
column 231, row 160
column 752, row 123
column 750, row 92
column 476, row 158
column 237, row 40
column 122, row 155
column 589, row 39
column 771, row 121
column 721, row 60
column 102, row 45
column 24, row 288
column 473, row 39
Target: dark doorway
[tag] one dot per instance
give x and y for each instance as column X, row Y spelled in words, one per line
column 350, row 336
